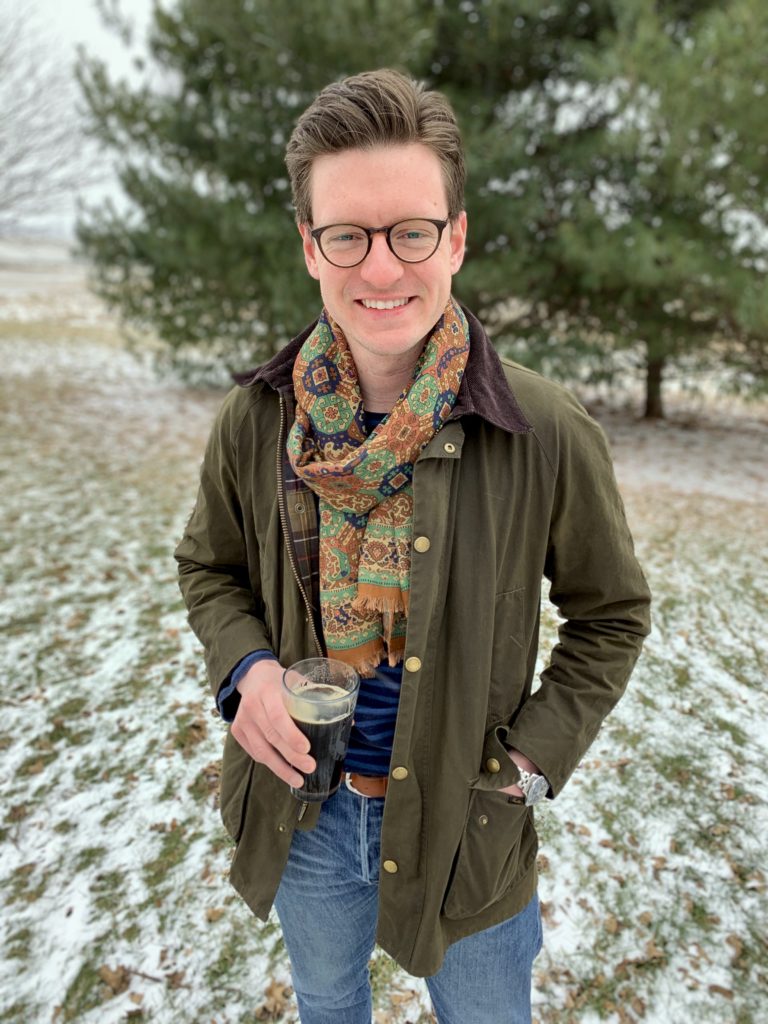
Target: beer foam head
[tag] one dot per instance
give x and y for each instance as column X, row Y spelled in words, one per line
column 316, row 703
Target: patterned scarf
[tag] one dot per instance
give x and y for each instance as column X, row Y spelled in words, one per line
column 364, row 482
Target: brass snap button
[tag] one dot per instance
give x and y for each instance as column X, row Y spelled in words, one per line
column 412, row 664
column 390, row 866
column 400, row 773
column 422, row 544
column 493, row 766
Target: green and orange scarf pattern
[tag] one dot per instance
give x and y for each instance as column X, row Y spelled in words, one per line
column 364, row 482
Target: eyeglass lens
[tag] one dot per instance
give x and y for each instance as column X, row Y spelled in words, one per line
column 410, row 240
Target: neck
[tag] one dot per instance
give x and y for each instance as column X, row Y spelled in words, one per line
column 382, row 382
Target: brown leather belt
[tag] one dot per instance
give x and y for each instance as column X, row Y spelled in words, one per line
column 366, row 785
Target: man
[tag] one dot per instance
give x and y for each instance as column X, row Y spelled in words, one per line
column 388, row 492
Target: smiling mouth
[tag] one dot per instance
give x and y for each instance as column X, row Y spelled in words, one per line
column 383, row 303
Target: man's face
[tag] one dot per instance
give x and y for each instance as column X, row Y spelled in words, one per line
column 374, row 188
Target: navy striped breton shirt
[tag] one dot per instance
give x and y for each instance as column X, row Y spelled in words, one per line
column 370, row 742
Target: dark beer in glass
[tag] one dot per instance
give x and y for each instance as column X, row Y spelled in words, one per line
column 320, row 696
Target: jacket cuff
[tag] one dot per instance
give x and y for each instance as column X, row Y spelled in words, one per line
column 497, row 770
column 228, row 697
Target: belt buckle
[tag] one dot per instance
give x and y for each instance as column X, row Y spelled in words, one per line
column 350, row 787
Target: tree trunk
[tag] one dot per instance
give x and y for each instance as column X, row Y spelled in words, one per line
column 654, row 407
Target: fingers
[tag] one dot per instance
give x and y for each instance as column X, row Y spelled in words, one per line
column 264, row 753
column 282, row 732
column 512, row 790
column 263, row 727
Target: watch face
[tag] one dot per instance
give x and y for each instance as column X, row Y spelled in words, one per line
column 537, row 790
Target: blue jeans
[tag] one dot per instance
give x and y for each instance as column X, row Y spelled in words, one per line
column 327, row 904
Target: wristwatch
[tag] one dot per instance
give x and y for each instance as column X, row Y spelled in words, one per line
column 534, row 787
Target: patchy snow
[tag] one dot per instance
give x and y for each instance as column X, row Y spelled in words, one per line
column 715, row 453
column 41, row 280
column 116, row 905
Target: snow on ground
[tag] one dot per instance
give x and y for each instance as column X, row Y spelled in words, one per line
column 40, row 281
column 113, row 881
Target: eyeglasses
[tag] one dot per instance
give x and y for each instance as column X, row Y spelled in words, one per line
column 412, row 241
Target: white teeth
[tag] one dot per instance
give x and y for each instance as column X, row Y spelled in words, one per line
column 383, row 303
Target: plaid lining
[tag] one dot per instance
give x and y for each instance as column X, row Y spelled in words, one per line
column 301, row 509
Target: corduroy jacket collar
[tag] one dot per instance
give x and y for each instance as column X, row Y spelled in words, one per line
column 484, row 390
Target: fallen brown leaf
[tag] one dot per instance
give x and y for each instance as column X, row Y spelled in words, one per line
column 276, row 996
column 117, row 980
column 175, row 979
column 653, row 952
column 400, row 998
column 718, row 990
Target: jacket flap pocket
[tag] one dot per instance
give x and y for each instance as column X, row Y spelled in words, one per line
column 497, row 847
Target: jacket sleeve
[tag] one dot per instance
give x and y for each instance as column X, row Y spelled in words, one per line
column 600, row 591
column 218, row 566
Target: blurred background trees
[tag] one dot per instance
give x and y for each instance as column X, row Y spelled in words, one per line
column 40, row 138
column 209, row 255
column 616, row 196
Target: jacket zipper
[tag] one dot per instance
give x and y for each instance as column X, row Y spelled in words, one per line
column 287, row 532
column 289, row 548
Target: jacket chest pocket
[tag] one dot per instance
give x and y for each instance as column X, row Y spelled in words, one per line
column 497, row 847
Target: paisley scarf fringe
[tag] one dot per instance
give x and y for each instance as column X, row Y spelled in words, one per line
column 376, row 600
column 366, row 659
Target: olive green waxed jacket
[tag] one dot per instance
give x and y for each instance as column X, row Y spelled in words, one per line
column 516, row 486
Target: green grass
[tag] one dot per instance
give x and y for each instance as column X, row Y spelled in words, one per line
column 649, row 863
column 25, row 885
column 19, row 944
column 174, row 844
column 20, row 1011
column 108, row 889
column 86, row 990
column 90, row 857
column 228, row 959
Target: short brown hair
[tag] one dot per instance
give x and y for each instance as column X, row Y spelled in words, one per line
column 375, row 108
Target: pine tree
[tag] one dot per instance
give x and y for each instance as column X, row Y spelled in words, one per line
column 614, row 146
column 208, row 256
column 607, row 190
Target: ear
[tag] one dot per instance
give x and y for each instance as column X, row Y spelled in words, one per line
column 310, row 250
column 458, row 241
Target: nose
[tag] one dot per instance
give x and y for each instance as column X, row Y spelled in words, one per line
column 381, row 267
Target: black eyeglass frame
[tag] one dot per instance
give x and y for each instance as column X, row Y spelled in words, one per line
column 441, row 225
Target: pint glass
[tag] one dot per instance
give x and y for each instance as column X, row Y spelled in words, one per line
column 320, row 695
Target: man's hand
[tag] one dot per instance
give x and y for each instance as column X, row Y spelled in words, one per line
column 522, row 762
column 263, row 727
